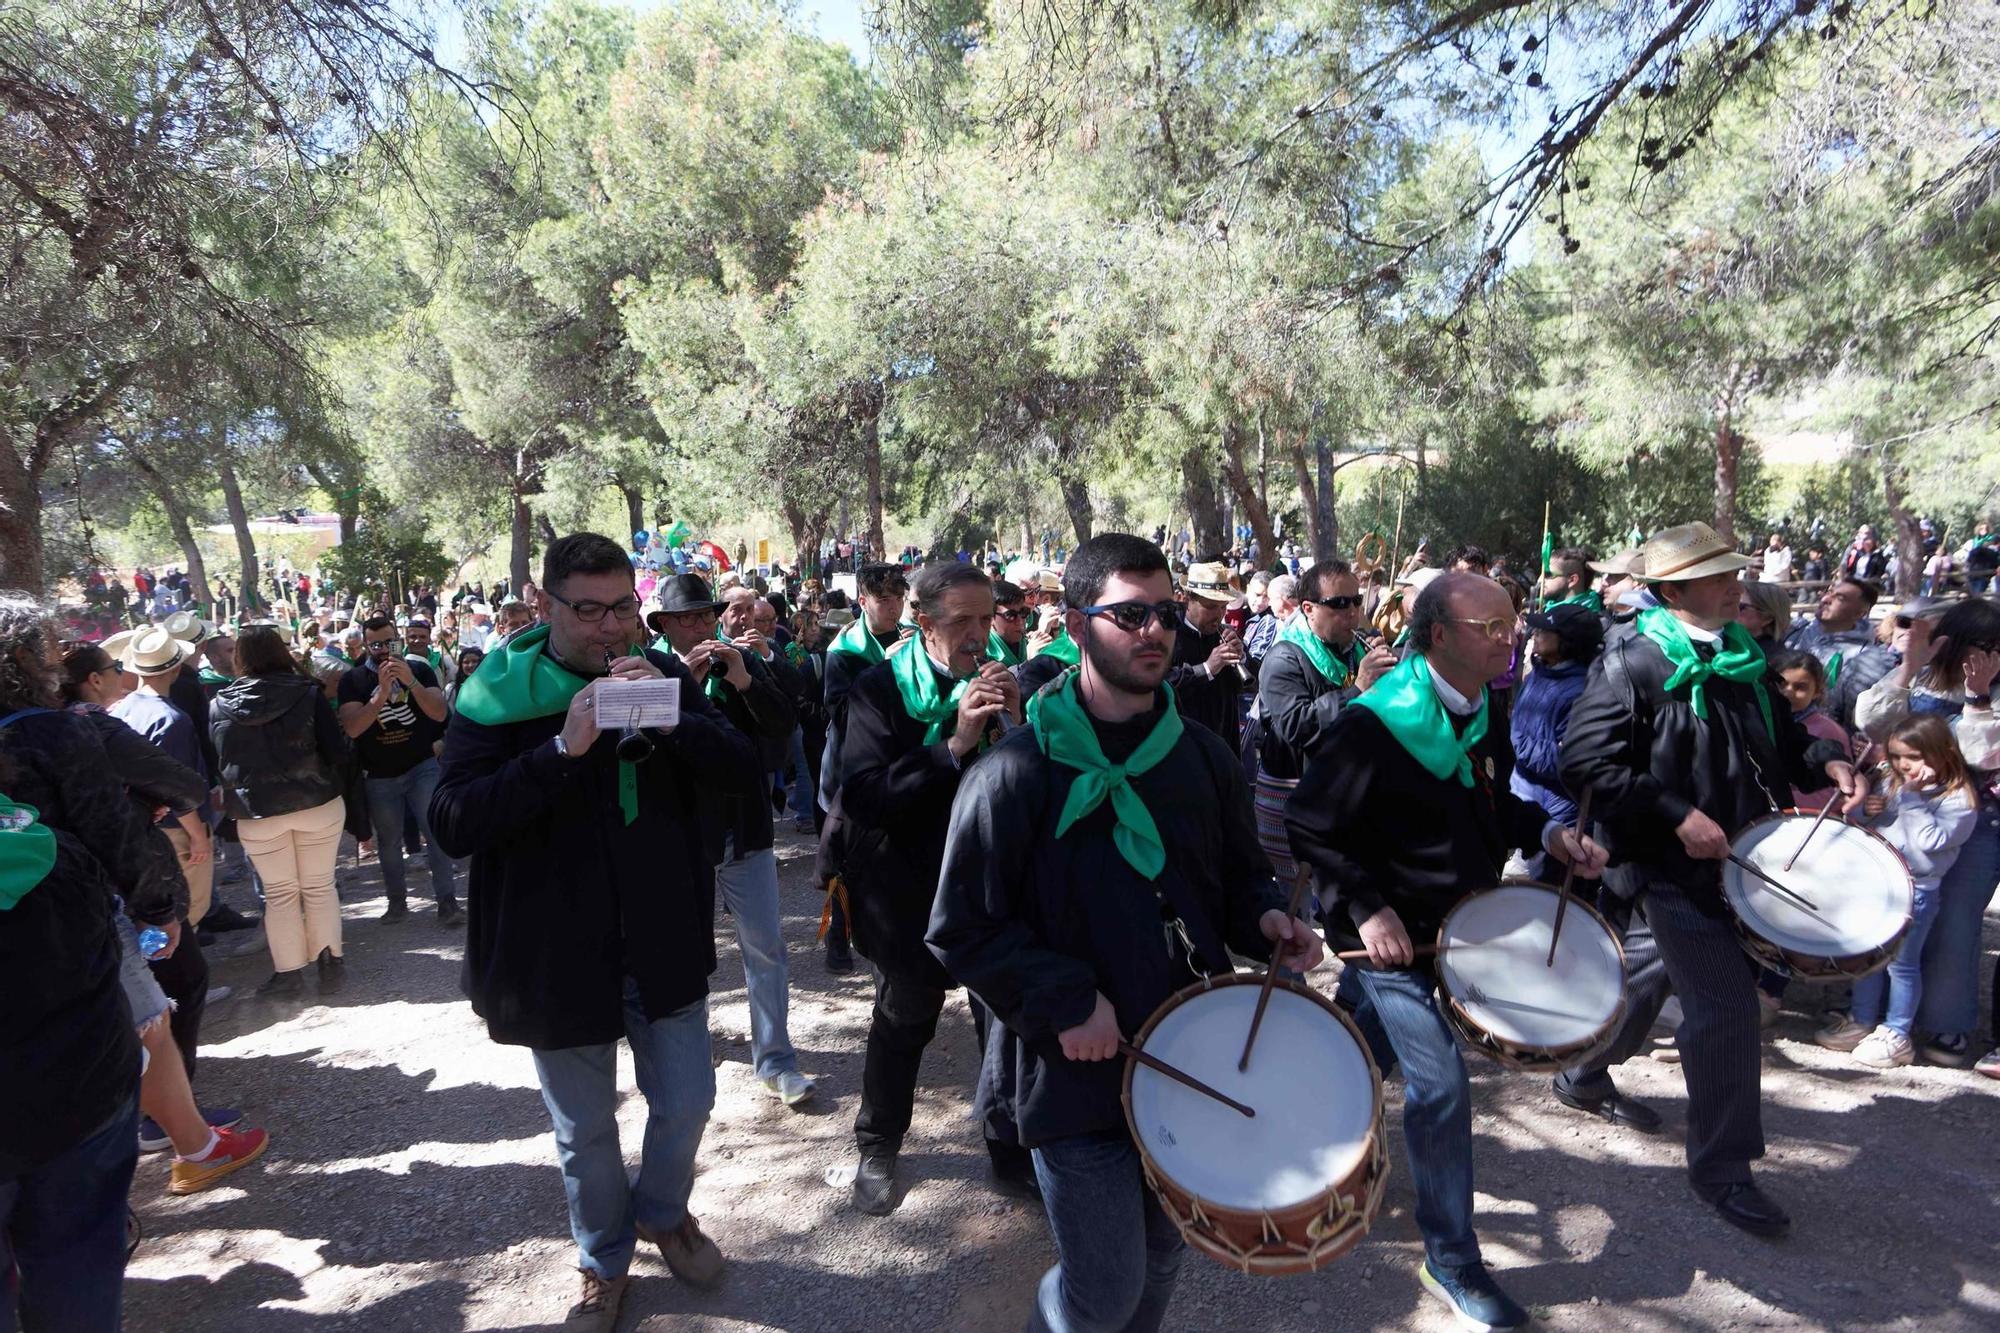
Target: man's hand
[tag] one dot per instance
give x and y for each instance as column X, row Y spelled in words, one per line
column 1378, row 662
column 1387, row 942
column 579, row 731
column 1298, row 945
column 1567, row 846
column 1010, row 688
column 1702, row 837
column 173, row 929
column 201, row 846
column 1040, row 638
column 635, row 667
column 1227, row 654
column 981, row 700
column 1853, row 786
column 729, row 660
column 1097, row 1038
column 752, row 641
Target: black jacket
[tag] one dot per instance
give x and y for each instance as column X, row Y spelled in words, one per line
column 1037, row 925
column 564, row 899
column 151, row 776
column 1213, row 702
column 1035, row 674
column 1378, row 830
column 64, row 772
column 895, row 797
column 842, row 670
column 1649, row 759
column 280, row 745
column 1296, row 707
column 187, row 694
column 69, row 1058
column 765, row 714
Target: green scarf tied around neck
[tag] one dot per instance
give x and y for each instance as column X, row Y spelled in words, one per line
column 1588, row 599
column 521, row 679
column 1407, row 702
column 1003, row 652
column 1325, row 661
column 1738, row 659
column 1064, row 733
column 1063, row 648
column 857, row 640
column 917, row 681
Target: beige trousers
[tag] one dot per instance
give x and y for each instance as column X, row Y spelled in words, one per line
column 294, row 855
column 200, row 878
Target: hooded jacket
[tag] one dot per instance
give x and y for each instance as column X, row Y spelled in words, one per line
column 280, row 747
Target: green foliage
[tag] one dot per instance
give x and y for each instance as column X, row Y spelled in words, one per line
column 390, row 552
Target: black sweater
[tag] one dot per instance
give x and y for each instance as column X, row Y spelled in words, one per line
column 564, row 899
column 1213, row 702
column 1296, row 707
column 1379, row 831
column 1037, row 925
column 1649, row 759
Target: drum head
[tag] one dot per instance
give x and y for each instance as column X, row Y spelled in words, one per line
column 1859, row 883
column 1309, row 1082
column 1494, row 962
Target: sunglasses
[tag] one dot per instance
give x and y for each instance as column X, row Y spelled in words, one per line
column 1335, row 603
column 1013, row 613
column 1135, row 616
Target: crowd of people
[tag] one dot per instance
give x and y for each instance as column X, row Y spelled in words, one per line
column 1068, row 791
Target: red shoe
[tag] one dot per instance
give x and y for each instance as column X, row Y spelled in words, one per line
column 234, row 1149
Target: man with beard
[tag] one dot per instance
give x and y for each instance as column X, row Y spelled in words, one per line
column 1069, row 843
column 737, row 681
column 1208, row 674
column 915, row 723
column 1397, row 815
column 1840, row 634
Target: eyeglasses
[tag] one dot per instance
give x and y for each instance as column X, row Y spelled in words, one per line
column 1018, row 613
column 1335, row 603
column 1500, row 627
column 592, row 612
column 1133, row 617
column 383, row 645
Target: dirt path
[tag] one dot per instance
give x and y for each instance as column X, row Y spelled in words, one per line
column 411, row 1185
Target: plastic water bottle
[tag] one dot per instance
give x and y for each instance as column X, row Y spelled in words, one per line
column 152, row 941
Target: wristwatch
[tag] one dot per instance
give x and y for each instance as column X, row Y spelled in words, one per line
column 562, row 746
column 1980, row 700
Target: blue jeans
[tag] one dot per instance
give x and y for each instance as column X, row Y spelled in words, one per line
column 1900, row 986
column 749, row 885
column 1117, row 1255
column 389, row 799
column 1950, row 1003
column 801, row 779
column 1398, row 1016
column 580, row 1087
column 63, row 1226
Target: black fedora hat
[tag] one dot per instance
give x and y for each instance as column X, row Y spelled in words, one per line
column 678, row 595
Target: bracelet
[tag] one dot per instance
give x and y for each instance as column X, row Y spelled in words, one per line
column 1979, row 700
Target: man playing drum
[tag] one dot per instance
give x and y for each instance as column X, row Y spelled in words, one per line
column 1683, row 737
column 1099, row 859
column 1399, row 816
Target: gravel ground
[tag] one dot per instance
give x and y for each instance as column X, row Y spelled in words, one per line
column 411, row 1184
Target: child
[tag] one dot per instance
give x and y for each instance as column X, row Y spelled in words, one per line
column 1928, row 814
column 1803, row 680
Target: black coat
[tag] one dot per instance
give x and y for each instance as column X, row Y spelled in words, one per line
column 1649, row 759
column 764, row 713
column 564, row 899
column 1036, row 926
column 895, row 797
column 1379, row 831
column 1296, row 707
column 281, row 747
column 187, row 694
column 1213, row 702
column 1035, row 674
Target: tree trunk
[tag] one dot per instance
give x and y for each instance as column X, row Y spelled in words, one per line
column 1203, row 502
column 1909, row 533
column 522, row 528
column 1728, row 455
column 1076, row 499
column 1240, row 481
column 1326, row 539
column 20, row 524
column 1295, row 449
column 178, row 524
column 635, row 508
column 239, row 519
column 871, row 456
column 549, row 534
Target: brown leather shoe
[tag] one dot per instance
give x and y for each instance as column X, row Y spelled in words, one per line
column 596, row 1311
column 692, row 1256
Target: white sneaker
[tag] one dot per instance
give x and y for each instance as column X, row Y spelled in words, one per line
column 791, row 1087
column 1885, row 1048
column 217, row 994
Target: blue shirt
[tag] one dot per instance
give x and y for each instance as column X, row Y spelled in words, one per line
column 172, row 731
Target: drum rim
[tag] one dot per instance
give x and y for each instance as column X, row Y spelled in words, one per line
column 1499, row 1044
column 1205, row 984
column 1793, row 812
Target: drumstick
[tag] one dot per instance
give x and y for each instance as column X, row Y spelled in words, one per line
column 1824, row 811
column 1420, row 951
column 1569, row 877
column 1800, row 899
column 1160, row 1066
column 1271, row 972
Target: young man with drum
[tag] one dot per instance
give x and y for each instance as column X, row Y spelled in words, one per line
column 1399, row 816
column 1100, row 859
column 1683, row 738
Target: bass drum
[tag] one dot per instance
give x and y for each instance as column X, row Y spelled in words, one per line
column 1859, row 885
column 1291, row 1189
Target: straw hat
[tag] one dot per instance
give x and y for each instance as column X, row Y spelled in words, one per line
column 1627, row 562
column 1688, row 551
column 1210, row 583
column 154, row 652
column 1419, row 579
column 187, row 627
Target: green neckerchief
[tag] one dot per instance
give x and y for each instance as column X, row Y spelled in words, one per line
column 857, row 640
column 210, row 676
column 1003, row 652
column 917, row 682
column 711, row 684
column 1832, row 674
column 1588, row 599
column 435, row 661
column 1063, row 648
column 520, row 680
column 27, row 851
column 1738, row 659
column 1064, row 732
column 1325, row 661
column 1407, row 702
